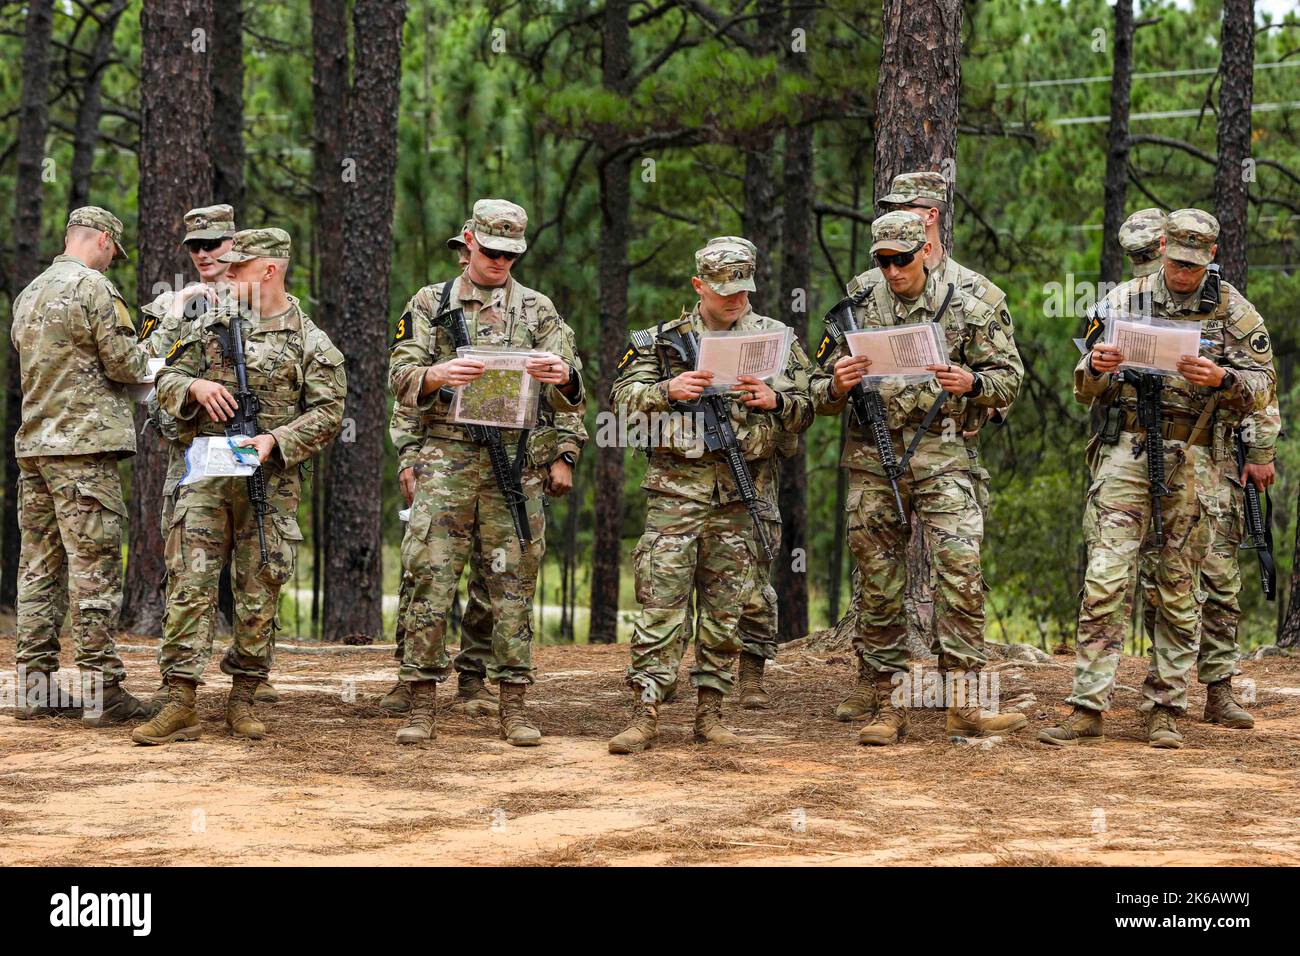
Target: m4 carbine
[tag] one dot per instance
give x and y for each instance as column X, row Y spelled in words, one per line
column 1150, row 387
column 1259, row 531
column 244, row 423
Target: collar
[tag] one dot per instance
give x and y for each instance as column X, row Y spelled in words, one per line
column 928, row 299
column 64, row 257
column 467, row 290
column 1189, row 302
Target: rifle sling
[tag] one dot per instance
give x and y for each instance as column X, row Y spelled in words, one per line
column 939, row 399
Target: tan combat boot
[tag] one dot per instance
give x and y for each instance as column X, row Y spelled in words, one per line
column 178, row 720
column 266, row 694
column 751, row 693
column 239, row 708
column 641, row 733
column 516, row 729
column 473, row 697
column 709, row 728
column 419, row 726
column 397, row 700
column 861, row 702
column 161, row 695
column 1083, row 726
column 889, row 725
column 1222, row 706
column 967, row 719
column 1162, row 729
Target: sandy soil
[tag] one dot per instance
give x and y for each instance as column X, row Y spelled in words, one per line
column 330, row 786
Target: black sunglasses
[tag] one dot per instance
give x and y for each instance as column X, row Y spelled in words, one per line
column 499, row 254
column 901, row 259
column 1187, row 266
column 204, row 245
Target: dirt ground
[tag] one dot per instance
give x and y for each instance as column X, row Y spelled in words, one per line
column 330, row 786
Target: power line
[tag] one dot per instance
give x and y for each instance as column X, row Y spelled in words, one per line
column 1158, row 75
column 1164, row 114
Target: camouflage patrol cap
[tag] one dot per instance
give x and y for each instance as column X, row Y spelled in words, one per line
column 736, row 241
column 258, row 244
column 1139, row 237
column 898, row 231
column 1190, row 235
column 457, row 242
column 96, row 218
column 499, row 224
column 210, row 222
column 909, row 187
column 727, row 267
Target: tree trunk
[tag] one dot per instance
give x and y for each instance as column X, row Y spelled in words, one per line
column 1116, row 181
column 353, row 572
column 228, row 105
column 33, row 125
column 86, row 132
column 1231, row 178
column 916, row 95
column 615, row 168
column 329, row 84
column 759, row 220
column 796, row 289
column 175, row 175
column 916, row 128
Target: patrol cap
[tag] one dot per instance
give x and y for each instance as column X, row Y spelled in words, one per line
column 258, row 244
column 499, row 224
column 726, row 266
column 1139, row 237
column 909, row 187
column 210, row 222
column 1190, row 235
column 457, row 242
column 736, row 241
column 96, row 218
column 897, row 231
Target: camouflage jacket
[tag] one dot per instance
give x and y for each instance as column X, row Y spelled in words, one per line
column 292, row 366
column 979, row 338
column 679, row 465
column 76, row 350
column 511, row 316
column 1233, row 335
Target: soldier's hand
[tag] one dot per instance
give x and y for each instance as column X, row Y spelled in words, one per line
column 215, row 399
column 757, row 393
column 559, row 482
column 548, row 368
column 1105, row 358
column 849, row 372
column 406, row 481
column 1261, row 475
column 953, row 379
column 1200, row 371
column 457, row 372
column 689, row 386
column 184, row 302
column 265, row 444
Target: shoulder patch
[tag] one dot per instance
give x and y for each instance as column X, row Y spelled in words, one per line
column 178, row 347
column 146, row 330
column 405, row 328
column 1260, row 343
column 1246, row 324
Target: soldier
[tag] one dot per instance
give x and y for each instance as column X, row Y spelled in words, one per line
column 1232, row 378
column 299, row 380
column 935, row 486
column 925, row 193
column 699, row 535
column 554, row 445
column 208, row 234
column 458, row 504
column 76, row 348
column 1143, row 237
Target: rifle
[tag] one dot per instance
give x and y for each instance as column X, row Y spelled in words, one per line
column 720, row 437
column 1259, row 530
column 1150, row 417
column 869, row 408
column 507, row 475
column 244, row 423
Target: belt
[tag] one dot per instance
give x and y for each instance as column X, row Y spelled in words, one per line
column 1172, row 430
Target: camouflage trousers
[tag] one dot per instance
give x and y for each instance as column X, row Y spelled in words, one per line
column 70, row 516
column 1217, row 653
column 475, row 621
column 213, row 523
column 457, row 509
column 952, row 521
column 1116, row 521
column 709, row 551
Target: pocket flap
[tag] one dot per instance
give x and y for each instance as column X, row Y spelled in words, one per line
column 287, row 525
column 109, row 498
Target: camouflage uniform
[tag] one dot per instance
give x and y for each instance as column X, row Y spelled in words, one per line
column 299, row 377
column 1118, row 507
column 938, row 487
column 76, row 348
column 458, row 506
column 698, row 531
